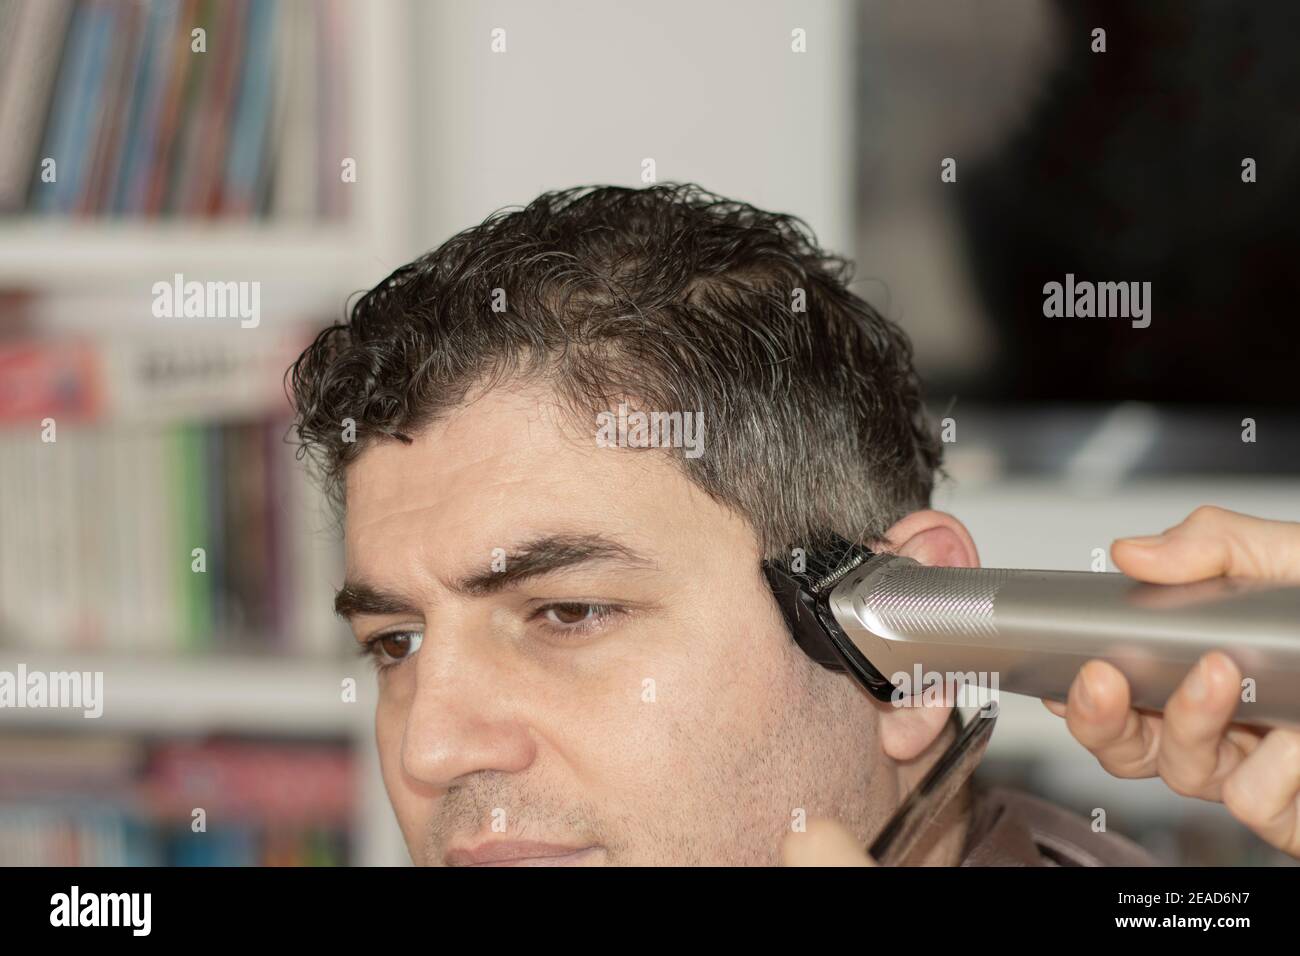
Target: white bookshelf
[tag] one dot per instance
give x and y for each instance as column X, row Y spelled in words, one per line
column 47, row 254
column 200, row 693
column 56, row 256
column 108, row 262
column 274, row 696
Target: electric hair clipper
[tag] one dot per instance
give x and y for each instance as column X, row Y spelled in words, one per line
column 887, row 619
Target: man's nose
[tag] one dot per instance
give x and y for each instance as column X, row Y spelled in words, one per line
column 465, row 716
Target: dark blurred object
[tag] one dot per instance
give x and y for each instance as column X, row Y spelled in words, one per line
column 1113, row 442
column 1129, row 169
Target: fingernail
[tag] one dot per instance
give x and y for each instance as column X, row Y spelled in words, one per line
column 1146, row 541
column 1085, row 696
column 1198, row 684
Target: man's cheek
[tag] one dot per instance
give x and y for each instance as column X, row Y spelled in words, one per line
column 672, row 734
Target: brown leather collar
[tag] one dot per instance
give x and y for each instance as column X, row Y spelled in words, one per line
column 1011, row 828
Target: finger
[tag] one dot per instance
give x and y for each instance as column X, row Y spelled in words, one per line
column 1196, row 754
column 824, row 843
column 1264, row 791
column 1211, row 542
column 1098, row 714
column 1055, row 706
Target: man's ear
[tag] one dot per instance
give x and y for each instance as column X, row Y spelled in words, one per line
column 938, row 539
column 933, row 537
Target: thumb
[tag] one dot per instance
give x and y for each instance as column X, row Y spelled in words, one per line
column 1211, row 542
column 824, row 843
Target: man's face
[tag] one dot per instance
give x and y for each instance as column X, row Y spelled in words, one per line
column 580, row 651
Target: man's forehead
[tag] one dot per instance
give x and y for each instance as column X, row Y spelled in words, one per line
column 500, row 437
column 505, row 471
column 506, row 466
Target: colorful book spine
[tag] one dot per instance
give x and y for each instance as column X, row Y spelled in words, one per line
column 141, row 121
column 153, row 522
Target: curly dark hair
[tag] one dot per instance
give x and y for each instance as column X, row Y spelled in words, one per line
column 673, row 295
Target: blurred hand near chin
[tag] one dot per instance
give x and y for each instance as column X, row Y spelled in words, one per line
column 823, row 843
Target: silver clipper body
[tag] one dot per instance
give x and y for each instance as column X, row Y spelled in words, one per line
column 882, row 616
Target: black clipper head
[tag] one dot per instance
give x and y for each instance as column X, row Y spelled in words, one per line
column 802, row 586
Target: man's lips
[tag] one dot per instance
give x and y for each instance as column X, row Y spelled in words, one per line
column 517, row 853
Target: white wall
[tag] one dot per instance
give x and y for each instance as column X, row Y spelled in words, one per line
column 586, row 90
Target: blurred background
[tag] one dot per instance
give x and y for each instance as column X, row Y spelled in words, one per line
column 314, row 145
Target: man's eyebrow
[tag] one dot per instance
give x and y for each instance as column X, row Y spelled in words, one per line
column 547, row 554
column 357, row 597
column 540, row 556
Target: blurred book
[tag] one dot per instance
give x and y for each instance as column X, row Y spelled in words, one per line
column 140, row 117
column 116, row 801
column 169, row 512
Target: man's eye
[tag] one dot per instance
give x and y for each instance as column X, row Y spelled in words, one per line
column 392, row 648
column 570, row 614
column 575, row 617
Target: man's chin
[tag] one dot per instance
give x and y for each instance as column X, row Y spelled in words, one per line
column 591, row 856
column 522, row 853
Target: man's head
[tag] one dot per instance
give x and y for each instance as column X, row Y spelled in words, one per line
column 577, row 643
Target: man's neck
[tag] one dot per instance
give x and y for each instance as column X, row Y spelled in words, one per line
column 944, row 843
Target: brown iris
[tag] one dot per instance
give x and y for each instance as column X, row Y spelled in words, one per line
column 396, row 646
column 570, row 613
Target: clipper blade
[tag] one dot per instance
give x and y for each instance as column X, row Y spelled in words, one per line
column 802, row 587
